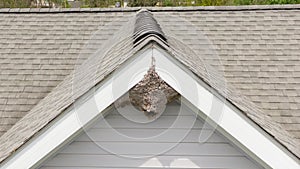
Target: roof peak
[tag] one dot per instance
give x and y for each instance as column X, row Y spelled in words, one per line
column 153, row 9
column 146, row 25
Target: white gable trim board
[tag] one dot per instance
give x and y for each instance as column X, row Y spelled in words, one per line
column 267, row 152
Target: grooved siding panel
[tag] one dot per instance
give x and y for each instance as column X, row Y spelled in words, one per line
column 160, row 144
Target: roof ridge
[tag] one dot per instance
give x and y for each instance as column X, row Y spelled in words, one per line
column 67, row 10
column 145, row 25
column 227, row 8
column 153, row 9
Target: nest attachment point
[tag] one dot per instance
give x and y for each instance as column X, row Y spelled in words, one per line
column 150, row 95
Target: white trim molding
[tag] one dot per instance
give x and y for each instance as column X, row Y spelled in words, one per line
column 266, row 152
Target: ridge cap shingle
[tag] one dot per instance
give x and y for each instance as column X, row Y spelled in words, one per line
column 68, row 10
column 227, row 8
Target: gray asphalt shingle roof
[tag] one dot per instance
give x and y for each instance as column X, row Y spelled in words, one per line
column 258, row 49
column 259, row 53
column 37, row 51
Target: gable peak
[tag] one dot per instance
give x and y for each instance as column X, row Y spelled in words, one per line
column 146, row 25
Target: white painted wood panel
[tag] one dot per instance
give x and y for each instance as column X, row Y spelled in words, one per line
column 106, row 161
column 108, row 136
column 162, row 122
column 117, row 135
column 138, row 148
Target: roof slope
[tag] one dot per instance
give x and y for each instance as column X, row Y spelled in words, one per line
column 38, row 50
column 259, row 53
column 258, row 49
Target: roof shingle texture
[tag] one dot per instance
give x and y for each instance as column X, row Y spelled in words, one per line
column 259, row 51
column 37, row 51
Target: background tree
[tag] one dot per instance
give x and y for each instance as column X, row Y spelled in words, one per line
column 15, row 3
column 33, row 3
column 134, row 3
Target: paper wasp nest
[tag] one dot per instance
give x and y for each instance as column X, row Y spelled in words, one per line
column 150, row 95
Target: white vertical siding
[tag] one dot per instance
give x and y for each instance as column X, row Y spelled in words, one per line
column 117, row 135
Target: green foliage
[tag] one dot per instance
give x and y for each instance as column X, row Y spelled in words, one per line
column 59, row 3
column 99, row 3
column 66, row 4
column 15, row 3
column 265, row 2
column 33, row 3
column 92, row 3
column 168, row 3
column 134, row 3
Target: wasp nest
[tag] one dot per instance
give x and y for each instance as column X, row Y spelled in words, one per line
column 150, row 95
